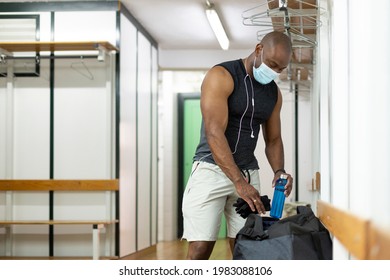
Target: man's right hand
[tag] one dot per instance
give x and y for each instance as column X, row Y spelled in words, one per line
column 252, row 196
column 242, row 208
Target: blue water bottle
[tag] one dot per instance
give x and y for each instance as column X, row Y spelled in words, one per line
column 278, row 198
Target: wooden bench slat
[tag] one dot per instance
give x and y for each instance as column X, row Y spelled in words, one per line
column 59, row 185
column 55, row 46
column 379, row 243
column 349, row 229
column 62, row 185
column 361, row 237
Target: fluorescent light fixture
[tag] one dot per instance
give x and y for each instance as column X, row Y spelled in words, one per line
column 217, row 26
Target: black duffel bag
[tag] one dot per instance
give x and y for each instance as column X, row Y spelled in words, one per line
column 298, row 237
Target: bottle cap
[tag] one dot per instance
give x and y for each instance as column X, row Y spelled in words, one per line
column 283, row 176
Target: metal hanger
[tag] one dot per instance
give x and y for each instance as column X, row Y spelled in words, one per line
column 82, row 69
column 258, row 17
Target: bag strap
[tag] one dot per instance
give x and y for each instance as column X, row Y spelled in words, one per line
column 253, row 228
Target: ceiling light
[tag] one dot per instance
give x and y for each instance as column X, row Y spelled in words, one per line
column 217, row 26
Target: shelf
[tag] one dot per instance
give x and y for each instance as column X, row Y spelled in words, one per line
column 12, row 47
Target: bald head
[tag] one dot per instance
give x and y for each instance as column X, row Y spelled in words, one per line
column 275, row 50
column 277, row 39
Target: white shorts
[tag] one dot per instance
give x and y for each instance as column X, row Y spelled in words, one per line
column 208, row 194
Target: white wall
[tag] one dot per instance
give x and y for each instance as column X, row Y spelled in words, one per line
column 128, row 135
column 94, row 25
column 3, row 127
column 200, row 60
column 356, row 104
column 144, row 150
column 287, row 116
column 138, row 140
column 369, row 87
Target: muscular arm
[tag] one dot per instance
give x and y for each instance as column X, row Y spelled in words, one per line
column 216, row 89
column 274, row 144
column 273, row 138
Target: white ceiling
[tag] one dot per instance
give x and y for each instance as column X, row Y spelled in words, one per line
column 182, row 24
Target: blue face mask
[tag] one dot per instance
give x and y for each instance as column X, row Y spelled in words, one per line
column 263, row 74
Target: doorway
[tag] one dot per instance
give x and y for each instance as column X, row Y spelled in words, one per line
column 189, row 124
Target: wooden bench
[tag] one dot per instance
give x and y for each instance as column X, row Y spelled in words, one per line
column 62, row 185
column 361, row 237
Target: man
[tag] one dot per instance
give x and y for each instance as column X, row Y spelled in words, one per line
column 237, row 97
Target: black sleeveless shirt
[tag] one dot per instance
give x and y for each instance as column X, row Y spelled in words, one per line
column 241, row 123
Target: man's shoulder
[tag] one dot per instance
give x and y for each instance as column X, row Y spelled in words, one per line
column 233, row 67
column 229, row 63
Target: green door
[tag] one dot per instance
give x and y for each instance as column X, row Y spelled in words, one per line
column 191, row 119
column 192, row 124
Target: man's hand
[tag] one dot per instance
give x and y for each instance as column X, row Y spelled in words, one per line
column 242, row 208
column 288, row 187
column 248, row 193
